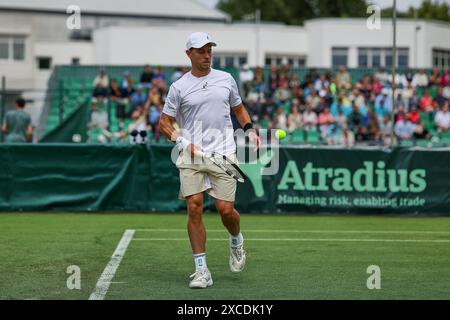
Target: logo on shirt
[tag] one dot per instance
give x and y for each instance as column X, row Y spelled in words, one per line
column 204, row 86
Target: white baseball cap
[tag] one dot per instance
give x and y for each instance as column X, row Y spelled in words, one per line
column 198, row 40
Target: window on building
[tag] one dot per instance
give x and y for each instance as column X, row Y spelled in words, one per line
column 280, row 59
column 403, row 57
column 363, row 58
column 382, row 57
column 229, row 60
column 75, row 61
column 44, row 63
column 339, row 57
column 12, row 48
column 441, row 58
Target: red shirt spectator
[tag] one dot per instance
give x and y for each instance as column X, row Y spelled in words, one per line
column 426, row 102
column 414, row 116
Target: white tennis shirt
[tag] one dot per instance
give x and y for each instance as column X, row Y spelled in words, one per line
column 201, row 107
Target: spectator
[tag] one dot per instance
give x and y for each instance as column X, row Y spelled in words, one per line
column 309, row 119
column 419, row 126
column 442, row 118
column 246, row 77
column 147, row 77
column 343, row 79
column 98, row 118
column 325, row 120
column 101, row 85
column 280, row 121
column 445, row 78
column 404, row 129
column 420, row 79
column 125, row 80
column 426, row 102
column 439, row 100
column 258, row 81
column 138, row 97
column 386, row 130
column 383, row 78
column 17, row 124
column 294, row 120
column 435, row 78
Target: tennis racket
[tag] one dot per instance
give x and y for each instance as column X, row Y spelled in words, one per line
column 230, row 167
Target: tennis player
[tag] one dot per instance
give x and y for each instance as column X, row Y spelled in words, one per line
column 200, row 103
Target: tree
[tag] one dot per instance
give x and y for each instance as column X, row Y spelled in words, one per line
column 294, row 12
column 431, row 10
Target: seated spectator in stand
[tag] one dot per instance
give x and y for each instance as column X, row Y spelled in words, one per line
column 407, row 78
column 126, row 78
column 325, row 120
column 343, row 79
column 294, row 120
column 153, row 115
column 309, row 119
column 125, row 101
column 159, row 76
column 280, row 121
column 435, row 78
column 442, row 118
column 246, row 76
column 446, row 91
column 258, row 81
column 282, row 94
column 313, row 98
column 340, row 119
column 420, row 80
column 101, row 85
column 386, row 130
column 341, row 103
column 146, row 77
column 419, row 126
column 426, row 102
column 355, row 121
column 408, row 97
column 139, row 97
column 439, row 100
column 380, row 110
column 383, row 78
column 17, row 124
column 372, row 129
column 445, row 78
column 400, row 114
column 404, row 129
column 99, row 120
column 387, row 102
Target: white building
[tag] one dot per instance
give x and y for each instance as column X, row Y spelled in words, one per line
column 34, row 37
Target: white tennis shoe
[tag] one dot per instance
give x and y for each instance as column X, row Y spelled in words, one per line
column 237, row 257
column 201, row 279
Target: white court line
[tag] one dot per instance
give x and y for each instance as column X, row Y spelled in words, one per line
column 303, row 239
column 104, row 281
column 307, row 231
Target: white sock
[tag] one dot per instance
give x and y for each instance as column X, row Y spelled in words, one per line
column 200, row 261
column 236, row 240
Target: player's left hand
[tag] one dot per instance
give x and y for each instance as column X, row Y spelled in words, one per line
column 255, row 139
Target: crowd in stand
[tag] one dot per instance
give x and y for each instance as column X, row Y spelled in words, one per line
column 141, row 104
column 340, row 111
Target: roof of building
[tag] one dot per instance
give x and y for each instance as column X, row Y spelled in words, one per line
column 183, row 9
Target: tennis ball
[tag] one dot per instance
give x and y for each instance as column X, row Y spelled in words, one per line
column 280, row 134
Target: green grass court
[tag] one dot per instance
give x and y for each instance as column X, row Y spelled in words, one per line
column 288, row 257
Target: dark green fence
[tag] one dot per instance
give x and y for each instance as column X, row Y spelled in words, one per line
column 75, row 177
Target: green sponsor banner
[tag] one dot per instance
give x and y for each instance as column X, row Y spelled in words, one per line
column 75, row 177
column 352, row 181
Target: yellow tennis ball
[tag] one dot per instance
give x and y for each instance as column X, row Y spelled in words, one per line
column 280, row 134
